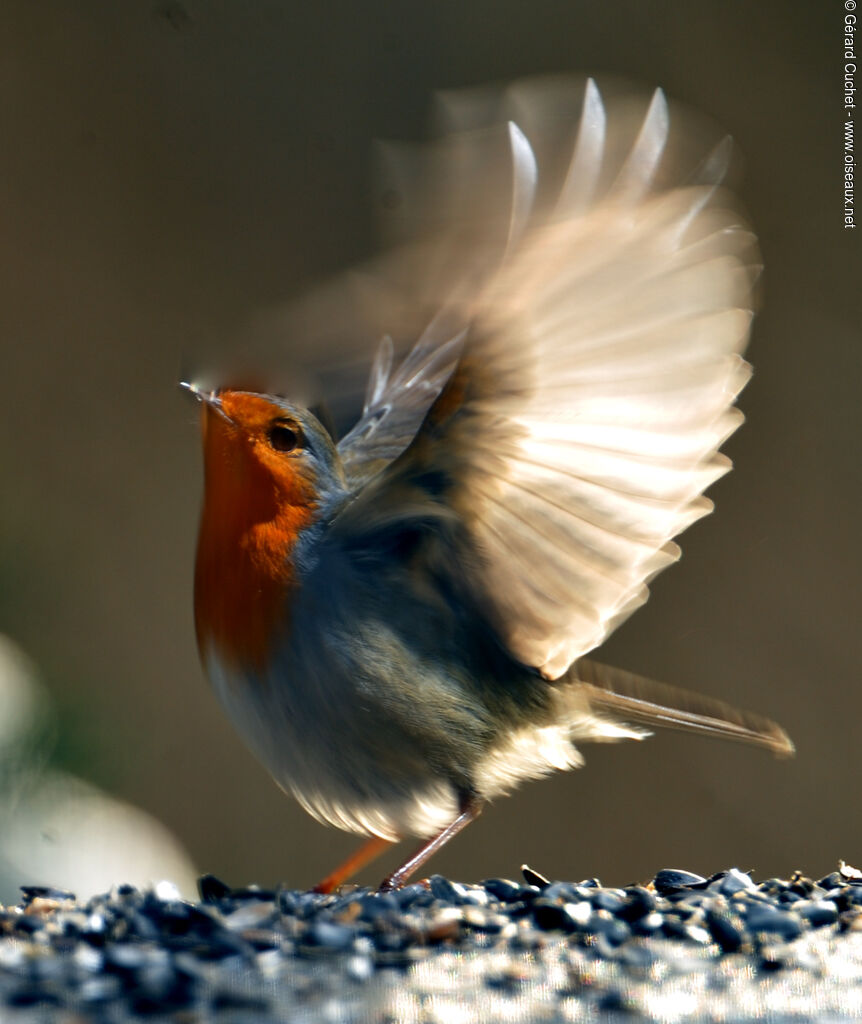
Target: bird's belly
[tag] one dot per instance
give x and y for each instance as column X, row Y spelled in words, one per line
column 345, row 765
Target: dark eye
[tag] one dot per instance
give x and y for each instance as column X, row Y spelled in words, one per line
column 283, row 438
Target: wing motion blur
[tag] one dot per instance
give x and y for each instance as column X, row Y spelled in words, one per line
column 580, row 377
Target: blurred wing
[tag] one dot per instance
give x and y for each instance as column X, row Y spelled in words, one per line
column 581, row 424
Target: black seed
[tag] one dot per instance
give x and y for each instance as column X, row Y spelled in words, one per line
column 288, row 901
column 850, row 920
column 551, row 916
column 832, row 881
column 561, row 891
column 212, row 889
column 673, row 928
column 28, row 925
column 378, row 906
column 503, row 889
column 735, row 881
column 45, row 892
column 443, row 889
column 31, row 996
column 532, row 877
column 647, row 925
column 774, row 922
column 236, row 1001
column 843, row 898
column 518, row 910
column 612, row 1002
column 602, row 899
column 790, row 897
column 803, row 887
column 725, row 930
column 672, row 880
column 638, row 904
column 407, row 896
column 423, row 900
column 615, row 932
column 819, row 913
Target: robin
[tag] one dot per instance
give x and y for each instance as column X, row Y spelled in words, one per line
column 397, row 623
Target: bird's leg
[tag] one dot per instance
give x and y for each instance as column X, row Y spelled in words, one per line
column 471, row 807
column 366, row 853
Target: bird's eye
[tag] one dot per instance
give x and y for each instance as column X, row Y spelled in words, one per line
column 283, row 438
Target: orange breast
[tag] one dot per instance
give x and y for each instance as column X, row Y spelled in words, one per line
column 249, row 527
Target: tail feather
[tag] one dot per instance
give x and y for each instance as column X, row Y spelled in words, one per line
column 642, row 701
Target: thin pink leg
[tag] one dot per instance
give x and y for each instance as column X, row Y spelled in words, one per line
column 470, row 810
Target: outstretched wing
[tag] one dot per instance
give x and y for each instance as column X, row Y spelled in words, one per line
column 582, row 420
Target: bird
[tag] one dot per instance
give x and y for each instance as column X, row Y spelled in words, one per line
column 398, row 622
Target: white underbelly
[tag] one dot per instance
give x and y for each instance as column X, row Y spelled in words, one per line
column 309, row 762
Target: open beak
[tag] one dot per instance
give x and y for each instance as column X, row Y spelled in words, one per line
column 211, row 398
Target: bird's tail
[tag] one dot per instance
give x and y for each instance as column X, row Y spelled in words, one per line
column 638, row 701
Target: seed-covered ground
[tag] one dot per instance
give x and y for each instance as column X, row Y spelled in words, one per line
column 679, row 948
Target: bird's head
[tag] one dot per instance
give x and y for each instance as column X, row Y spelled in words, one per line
column 254, row 441
column 271, row 472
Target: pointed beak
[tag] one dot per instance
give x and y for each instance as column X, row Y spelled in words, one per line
column 211, row 398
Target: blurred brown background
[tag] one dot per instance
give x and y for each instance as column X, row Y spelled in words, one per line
column 167, row 169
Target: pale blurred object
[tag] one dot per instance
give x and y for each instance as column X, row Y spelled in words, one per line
column 58, row 830
column 25, row 704
column 68, row 834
